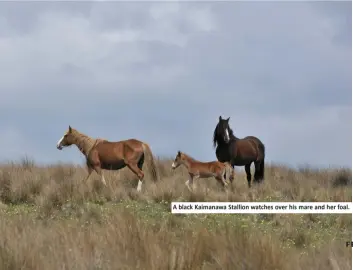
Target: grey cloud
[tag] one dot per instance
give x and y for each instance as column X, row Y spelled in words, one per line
column 22, row 17
column 275, row 69
column 165, row 73
column 341, row 16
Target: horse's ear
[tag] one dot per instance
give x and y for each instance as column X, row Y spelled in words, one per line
column 179, row 153
column 70, row 129
column 220, row 118
column 228, row 119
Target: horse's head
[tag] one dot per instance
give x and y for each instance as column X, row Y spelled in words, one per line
column 179, row 159
column 66, row 140
column 222, row 131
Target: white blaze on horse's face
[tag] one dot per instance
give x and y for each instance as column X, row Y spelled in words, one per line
column 175, row 164
column 177, row 161
column 226, row 137
column 59, row 144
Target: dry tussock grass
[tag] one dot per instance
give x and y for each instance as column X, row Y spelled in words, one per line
column 51, row 219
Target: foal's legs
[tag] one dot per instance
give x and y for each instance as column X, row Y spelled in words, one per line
column 230, row 173
column 190, row 182
column 222, row 177
column 248, row 173
column 231, row 178
column 221, row 180
column 194, row 183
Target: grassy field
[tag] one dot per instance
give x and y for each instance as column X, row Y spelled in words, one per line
column 51, row 219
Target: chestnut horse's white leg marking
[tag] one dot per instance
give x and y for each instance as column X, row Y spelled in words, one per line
column 59, row 142
column 103, row 180
column 139, row 185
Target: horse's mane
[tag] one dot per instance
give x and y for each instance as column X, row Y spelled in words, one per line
column 215, row 136
column 85, row 142
column 189, row 157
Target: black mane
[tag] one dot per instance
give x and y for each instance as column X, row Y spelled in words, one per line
column 215, row 137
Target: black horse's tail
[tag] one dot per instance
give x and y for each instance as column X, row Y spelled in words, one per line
column 262, row 161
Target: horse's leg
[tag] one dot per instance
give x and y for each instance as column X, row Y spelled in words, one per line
column 225, row 172
column 257, row 170
column 231, row 178
column 139, row 173
column 141, row 162
column 190, row 182
column 94, row 162
column 221, row 179
column 90, row 170
column 140, row 166
column 232, row 175
column 99, row 171
column 248, row 173
column 194, row 185
column 230, row 172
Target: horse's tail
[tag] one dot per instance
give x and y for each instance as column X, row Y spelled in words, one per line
column 152, row 167
column 262, row 161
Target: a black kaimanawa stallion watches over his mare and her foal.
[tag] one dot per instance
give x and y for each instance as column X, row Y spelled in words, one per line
column 102, row 154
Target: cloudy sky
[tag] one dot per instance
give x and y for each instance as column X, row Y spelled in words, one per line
column 164, row 72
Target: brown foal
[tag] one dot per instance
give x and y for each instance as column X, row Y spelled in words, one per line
column 220, row 171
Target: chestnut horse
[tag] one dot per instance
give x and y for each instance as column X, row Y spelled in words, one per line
column 196, row 169
column 102, row 154
column 239, row 152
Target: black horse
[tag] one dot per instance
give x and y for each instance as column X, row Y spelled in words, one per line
column 239, row 152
